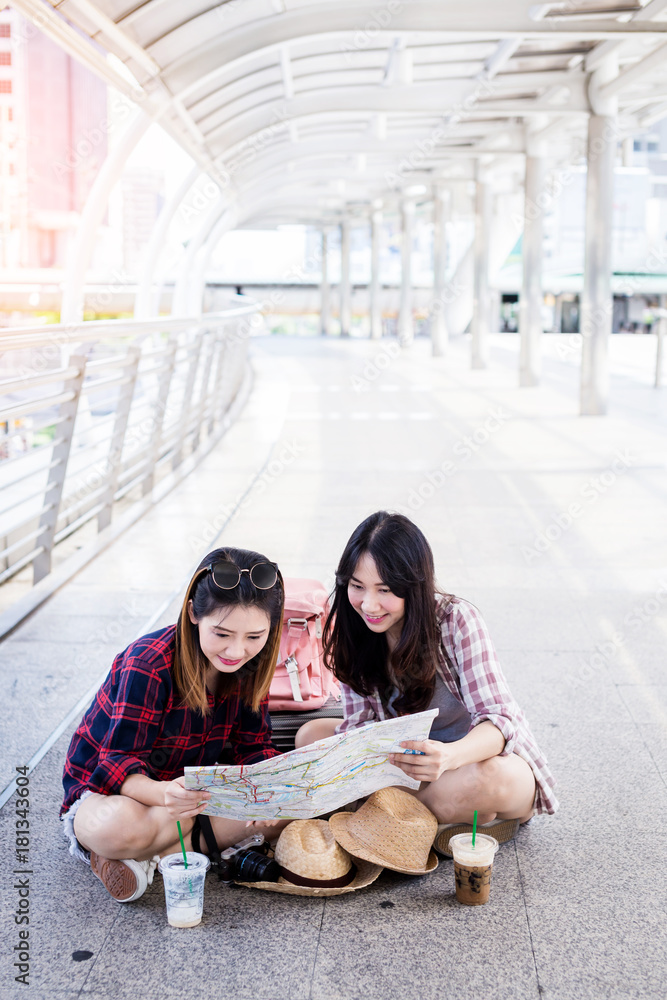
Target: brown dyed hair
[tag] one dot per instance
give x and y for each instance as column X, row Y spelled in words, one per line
column 358, row 656
column 251, row 682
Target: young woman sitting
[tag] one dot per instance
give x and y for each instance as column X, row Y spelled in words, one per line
column 172, row 700
column 399, row 645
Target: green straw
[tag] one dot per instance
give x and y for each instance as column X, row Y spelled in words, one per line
column 185, row 857
column 474, row 827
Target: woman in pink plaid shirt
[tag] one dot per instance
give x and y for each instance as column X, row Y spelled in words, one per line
column 398, row 645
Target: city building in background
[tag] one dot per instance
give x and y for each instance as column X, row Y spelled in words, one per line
column 54, row 141
column 142, row 199
column 56, row 125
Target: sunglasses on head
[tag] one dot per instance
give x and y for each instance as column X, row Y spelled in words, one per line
column 227, row 575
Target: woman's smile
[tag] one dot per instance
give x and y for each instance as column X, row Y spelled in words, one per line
column 241, row 629
column 371, row 598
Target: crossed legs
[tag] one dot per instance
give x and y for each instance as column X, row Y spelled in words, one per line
column 116, row 826
column 498, row 788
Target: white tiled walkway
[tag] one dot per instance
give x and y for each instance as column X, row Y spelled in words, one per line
column 554, row 525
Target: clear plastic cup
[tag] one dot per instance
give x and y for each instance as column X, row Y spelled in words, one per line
column 473, row 866
column 184, row 887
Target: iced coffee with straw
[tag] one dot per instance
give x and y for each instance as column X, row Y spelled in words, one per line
column 473, row 864
column 183, row 876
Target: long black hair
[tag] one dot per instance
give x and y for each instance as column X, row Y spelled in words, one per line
column 358, row 656
column 252, row 681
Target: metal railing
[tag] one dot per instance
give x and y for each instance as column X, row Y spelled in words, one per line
column 92, row 414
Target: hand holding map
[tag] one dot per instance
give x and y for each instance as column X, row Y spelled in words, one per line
column 314, row 779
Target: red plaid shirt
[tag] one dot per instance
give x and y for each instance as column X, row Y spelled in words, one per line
column 137, row 725
column 473, row 674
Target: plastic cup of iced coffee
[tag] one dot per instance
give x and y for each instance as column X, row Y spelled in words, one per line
column 184, row 887
column 473, row 866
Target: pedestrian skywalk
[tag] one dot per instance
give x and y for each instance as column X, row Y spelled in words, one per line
column 552, row 524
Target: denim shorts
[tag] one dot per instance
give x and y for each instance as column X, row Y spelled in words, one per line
column 75, row 848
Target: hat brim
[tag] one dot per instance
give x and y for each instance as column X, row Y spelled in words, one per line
column 339, row 824
column 367, row 872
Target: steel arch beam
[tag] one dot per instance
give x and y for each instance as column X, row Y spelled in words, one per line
column 424, row 99
column 342, row 142
column 396, row 157
column 195, row 297
column 200, row 67
column 444, row 93
column 143, row 303
column 181, row 296
column 81, row 250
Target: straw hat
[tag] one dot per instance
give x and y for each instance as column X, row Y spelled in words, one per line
column 313, row 864
column 392, row 828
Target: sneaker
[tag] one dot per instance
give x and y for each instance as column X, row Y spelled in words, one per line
column 127, row 879
column 502, row 829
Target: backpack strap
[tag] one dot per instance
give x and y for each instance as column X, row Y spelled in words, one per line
column 297, row 635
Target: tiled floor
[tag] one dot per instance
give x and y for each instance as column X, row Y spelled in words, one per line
column 577, row 610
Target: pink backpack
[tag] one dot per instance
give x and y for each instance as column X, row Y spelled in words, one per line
column 301, row 681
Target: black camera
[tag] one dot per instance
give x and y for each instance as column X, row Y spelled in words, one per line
column 248, row 862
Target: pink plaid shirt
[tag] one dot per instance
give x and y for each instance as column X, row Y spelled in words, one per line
column 478, row 682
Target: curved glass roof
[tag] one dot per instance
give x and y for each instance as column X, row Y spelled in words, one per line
column 303, row 107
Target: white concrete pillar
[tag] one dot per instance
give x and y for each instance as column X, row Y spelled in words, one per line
column 345, row 285
column 558, row 314
column 439, row 332
column 628, row 151
column 596, row 300
column 481, row 298
column 530, row 303
column 406, row 330
column 375, row 287
column 325, row 287
column 661, row 331
column 495, row 301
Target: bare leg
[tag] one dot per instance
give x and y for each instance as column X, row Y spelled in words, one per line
column 316, row 729
column 116, row 826
column 498, row 788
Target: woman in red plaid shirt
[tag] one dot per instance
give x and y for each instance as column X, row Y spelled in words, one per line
column 398, row 645
column 173, row 699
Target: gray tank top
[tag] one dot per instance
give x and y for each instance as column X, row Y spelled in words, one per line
column 453, row 719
